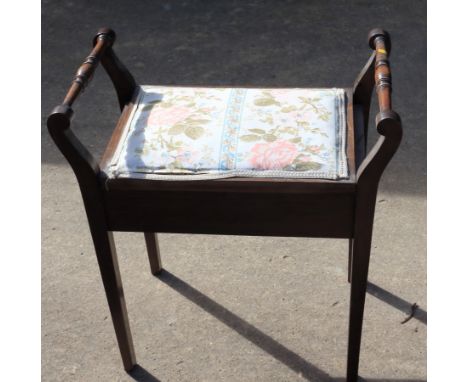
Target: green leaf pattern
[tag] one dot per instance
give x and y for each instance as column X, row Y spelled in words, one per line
column 183, row 130
column 173, row 124
column 289, row 120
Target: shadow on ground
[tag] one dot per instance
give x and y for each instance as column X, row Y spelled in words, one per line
column 281, row 353
column 397, row 302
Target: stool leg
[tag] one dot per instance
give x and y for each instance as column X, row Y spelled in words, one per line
column 350, row 259
column 109, row 267
column 359, row 271
column 153, row 252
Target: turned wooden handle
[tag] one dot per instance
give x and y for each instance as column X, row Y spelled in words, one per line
column 379, row 40
column 103, row 39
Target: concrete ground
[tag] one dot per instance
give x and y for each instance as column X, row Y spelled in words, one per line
column 234, row 308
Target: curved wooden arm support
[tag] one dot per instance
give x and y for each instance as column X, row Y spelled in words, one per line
column 123, row 81
column 83, row 163
column 81, row 160
column 389, row 127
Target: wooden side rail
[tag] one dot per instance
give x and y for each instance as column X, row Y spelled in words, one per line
column 379, row 40
column 102, row 52
column 103, row 39
column 377, row 73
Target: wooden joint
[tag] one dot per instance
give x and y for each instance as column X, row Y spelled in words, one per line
column 59, row 119
column 389, row 127
column 382, row 62
column 388, row 122
column 105, row 34
column 377, row 39
column 383, row 80
column 80, row 79
column 91, row 60
column 86, row 71
column 376, row 35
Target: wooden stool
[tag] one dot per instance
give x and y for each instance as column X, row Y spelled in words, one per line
column 288, row 190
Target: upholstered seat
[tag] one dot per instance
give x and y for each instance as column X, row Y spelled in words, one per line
column 201, row 133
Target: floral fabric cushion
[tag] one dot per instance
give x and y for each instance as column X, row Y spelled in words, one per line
column 203, row 133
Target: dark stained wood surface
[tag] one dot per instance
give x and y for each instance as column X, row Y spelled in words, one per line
column 103, row 40
column 154, row 256
column 227, row 213
column 379, row 40
column 261, row 185
column 88, row 174
column 368, row 175
column 119, row 129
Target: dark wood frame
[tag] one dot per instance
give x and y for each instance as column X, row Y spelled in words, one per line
column 239, row 206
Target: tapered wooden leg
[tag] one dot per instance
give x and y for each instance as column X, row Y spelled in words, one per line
column 350, row 259
column 359, row 271
column 153, row 252
column 109, row 267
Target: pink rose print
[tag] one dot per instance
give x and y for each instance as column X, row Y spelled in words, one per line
column 168, row 116
column 273, row 156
